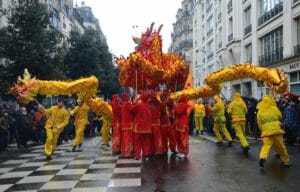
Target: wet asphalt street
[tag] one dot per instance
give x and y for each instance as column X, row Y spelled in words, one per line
column 208, row 168
column 211, row 168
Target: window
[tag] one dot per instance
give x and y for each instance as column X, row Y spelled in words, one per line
column 0, row 3
column 270, row 4
column 210, row 25
column 247, row 16
column 210, row 53
column 298, row 31
column 294, row 77
column 248, row 53
column 272, row 47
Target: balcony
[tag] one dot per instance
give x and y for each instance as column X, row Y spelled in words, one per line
column 297, row 50
column 209, row 32
column 295, row 1
column 230, row 37
column 186, row 13
column 209, row 7
column 210, row 56
column 270, row 14
column 271, row 57
column 229, row 5
column 247, row 30
column 186, row 43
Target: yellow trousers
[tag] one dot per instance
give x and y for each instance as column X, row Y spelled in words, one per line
column 51, row 142
column 199, row 123
column 105, row 132
column 221, row 128
column 79, row 134
column 239, row 128
column 279, row 145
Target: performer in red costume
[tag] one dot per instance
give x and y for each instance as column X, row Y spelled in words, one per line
column 126, row 127
column 182, row 128
column 164, row 122
column 171, row 131
column 156, row 129
column 116, row 120
column 143, row 126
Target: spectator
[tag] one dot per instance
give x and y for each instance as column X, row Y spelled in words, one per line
column 23, row 126
column 40, row 120
column 4, row 127
column 290, row 123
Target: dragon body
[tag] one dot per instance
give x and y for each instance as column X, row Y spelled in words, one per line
column 273, row 78
column 28, row 88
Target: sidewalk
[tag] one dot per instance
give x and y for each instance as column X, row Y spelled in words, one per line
column 214, row 140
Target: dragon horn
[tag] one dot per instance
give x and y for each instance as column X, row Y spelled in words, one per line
column 158, row 31
column 151, row 27
column 19, row 79
column 26, row 75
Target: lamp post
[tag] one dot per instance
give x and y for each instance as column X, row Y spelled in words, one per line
column 203, row 64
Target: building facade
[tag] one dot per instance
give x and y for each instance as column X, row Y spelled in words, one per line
column 182, row 35
column 262, row 32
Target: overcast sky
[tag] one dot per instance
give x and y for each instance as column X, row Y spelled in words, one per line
column 117, row 18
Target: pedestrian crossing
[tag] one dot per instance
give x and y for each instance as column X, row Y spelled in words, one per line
column 92, row 169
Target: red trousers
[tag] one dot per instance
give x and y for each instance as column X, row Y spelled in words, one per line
column 183, row 141
column 157, row 139
column 127, row 143
column 164, row 138
column 142, row 144
column 171, row 134
column 116, row 138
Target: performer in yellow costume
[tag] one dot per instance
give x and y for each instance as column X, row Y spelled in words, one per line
column 81, row 120
column 57, row 119
column 218, row 111
column 199, row 114
column 269, row 122
column 106, row 126
column 237, row 110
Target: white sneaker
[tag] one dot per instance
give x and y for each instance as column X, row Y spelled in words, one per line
column 181, row 155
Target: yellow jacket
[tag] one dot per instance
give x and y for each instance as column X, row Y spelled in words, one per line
column 199, row 110
column 269, row 118
column 218, row 111
column 237, row 110
column 56, row 117
column 81, row 114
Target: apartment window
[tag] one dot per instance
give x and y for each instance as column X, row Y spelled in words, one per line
column 247, row 21
column 230, row 30
column 295, row 82
column 248, row 53
column 208, row 5
column 270, row 8
column 209, row 25
column 210, row 52
column 297, row 47
column 271, row 47
column 220, row 38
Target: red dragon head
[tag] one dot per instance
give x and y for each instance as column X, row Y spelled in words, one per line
column 24, row 90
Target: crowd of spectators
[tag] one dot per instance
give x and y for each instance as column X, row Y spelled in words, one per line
column 22, row 124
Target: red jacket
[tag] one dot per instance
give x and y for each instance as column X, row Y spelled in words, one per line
column 181, row 114
column 116, row 109
column 126, row 121
column 142, row 115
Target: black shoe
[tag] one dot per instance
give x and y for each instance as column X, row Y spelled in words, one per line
column 197, row 132
column 174, row 151
column 48, row 158
column 107, row 145
column 219, row 143
column 245, row 150
column 277, row 156
column 286, row 165
column 201, row 132
column 229, row 143
column 262, row 162
column 79, row 146
column 74, row 149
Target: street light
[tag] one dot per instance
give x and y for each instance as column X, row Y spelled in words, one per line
column 135, row 30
